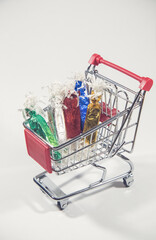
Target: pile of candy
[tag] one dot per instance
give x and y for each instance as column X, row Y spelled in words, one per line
column 72, row 109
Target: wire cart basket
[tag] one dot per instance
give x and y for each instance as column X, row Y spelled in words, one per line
column 121, row 108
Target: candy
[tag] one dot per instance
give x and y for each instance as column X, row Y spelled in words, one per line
column 51, row 121
column 83, row 103
column 92, row 118
column 39, row 125
column 60, row 124
column 56, row 94
column 72, row 116
column 78, row 84
column 83, row 100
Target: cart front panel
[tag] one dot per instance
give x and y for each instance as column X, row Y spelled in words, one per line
column 38, row 150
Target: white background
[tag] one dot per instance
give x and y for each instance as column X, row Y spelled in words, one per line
column 43, row 41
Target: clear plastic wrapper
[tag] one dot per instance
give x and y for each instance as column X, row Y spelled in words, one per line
column 55, row 97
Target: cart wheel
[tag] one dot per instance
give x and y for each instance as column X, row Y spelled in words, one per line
column 62, row 205
column 128, row 180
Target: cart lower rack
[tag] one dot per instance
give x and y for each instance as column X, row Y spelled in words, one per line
column 121, row 108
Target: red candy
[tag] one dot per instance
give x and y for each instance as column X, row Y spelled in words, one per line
column 72, row 116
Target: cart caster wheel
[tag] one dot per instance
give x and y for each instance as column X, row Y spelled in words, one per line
column 62, row 205
column 128, row 180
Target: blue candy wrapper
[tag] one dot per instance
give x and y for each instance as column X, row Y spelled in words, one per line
column 83, row 103
column 78, row 84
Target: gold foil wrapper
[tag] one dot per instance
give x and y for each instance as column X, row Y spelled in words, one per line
column 92, row 119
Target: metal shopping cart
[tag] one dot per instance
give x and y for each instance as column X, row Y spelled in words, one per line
column 121, row 108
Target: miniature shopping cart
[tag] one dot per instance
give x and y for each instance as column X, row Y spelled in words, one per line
column 121, row 108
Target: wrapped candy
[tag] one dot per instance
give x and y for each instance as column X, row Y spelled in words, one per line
column 65, row 102
column 83, row 100
column 92, row 118
column 78, row 78
column 83, row 103
column 78, row 85
column 72, row 116
column 51, row 121
column 94, row 108
column 60, row 124
column 38, row 124
column 56, row 96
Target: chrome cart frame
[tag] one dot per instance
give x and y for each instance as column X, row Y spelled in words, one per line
column 121, row 108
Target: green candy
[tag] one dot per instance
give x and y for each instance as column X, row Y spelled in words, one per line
column 39, row 125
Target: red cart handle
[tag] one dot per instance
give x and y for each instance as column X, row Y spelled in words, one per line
column 145, row 82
